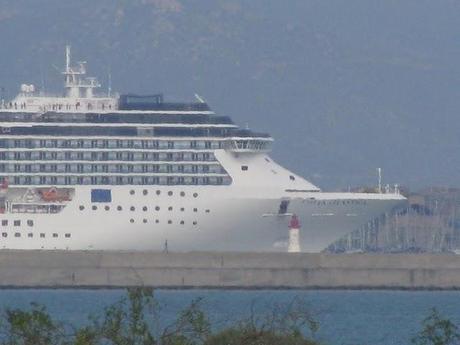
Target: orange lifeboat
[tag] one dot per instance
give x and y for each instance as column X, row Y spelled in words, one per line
column 53, row 195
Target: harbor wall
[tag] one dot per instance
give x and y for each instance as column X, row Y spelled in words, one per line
column 79, row 269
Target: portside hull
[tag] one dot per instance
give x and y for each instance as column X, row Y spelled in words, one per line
column 187, row 219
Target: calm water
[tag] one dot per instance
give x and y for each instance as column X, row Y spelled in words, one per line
column 346, row 317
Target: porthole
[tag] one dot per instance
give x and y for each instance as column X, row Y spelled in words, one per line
column 132, row 208
column 170, row 208
column 107, row 208
column 131, row 192
column 144, row 220
column 170, row 221
column 30, row 234
column 145, row 192
column 42, row 235
column 157, row 221
column 195, row 195
column 170, row 193
column 94, row 207
column 81, row 207
column 195, row 210
column 119, row 208
column 182, row 193
column 30, row 222
column 157, row 208
column 131, row 220
column 17, row 234
column 55, row 235
column 67, row 235
column 4, row 234
column 144, row 208
column 158, row 192
column 195, row 222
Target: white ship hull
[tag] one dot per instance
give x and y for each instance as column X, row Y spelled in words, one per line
column 244, row 216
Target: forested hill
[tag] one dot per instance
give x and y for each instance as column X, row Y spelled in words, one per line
column 343, row 86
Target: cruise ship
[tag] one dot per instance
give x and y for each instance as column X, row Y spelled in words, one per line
column 83, row 171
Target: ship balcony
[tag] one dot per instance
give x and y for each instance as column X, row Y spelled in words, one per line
column 249, row 145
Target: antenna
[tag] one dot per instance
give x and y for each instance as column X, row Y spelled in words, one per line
column 379, row 171
column 109, row 83
column 200, row 99
column 67, row 57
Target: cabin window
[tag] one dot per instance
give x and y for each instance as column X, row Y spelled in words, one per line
column 17, row 223
column 17, row 234
column 30, row 222
column 244, row 168
column 42, row 235
column 67, row 235
column 5, row 222
column 55, row 235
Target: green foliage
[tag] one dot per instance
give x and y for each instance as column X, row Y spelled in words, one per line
column 33, row 327
column 136, row 320
column 239, row 336
column 437, row 331
column 289, row 324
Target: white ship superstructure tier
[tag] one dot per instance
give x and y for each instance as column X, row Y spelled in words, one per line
column 135, row 172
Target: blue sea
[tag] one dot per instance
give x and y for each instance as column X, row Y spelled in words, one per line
column 345, row 317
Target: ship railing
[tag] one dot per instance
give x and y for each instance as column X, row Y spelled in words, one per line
column 249, row 145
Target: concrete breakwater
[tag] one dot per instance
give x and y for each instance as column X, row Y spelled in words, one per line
column 65, row 269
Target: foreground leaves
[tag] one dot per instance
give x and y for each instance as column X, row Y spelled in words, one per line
column 136, row 319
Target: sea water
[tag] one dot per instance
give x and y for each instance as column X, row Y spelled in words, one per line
column 345, row 317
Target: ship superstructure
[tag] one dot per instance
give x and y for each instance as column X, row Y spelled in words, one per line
column 131, row 172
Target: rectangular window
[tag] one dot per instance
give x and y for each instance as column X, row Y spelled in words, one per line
column 4, row 222
column 101, row 195
column 17, row 223
column 42, row 235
